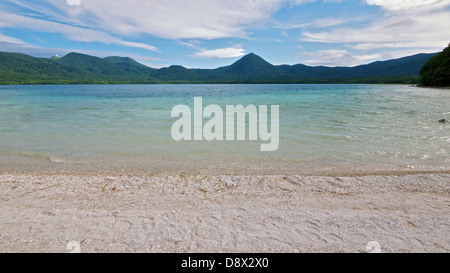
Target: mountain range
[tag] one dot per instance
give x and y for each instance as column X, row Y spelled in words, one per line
column 76, row 68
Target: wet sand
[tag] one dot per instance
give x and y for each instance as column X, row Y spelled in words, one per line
column 43, row 212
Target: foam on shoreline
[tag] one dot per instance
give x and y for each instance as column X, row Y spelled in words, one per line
column 217, row 166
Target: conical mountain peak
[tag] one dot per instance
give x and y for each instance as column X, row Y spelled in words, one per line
column 252, row 60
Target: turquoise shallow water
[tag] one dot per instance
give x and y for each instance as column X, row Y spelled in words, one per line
column 319, row 124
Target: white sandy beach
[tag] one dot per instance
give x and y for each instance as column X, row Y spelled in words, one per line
column 211, row 213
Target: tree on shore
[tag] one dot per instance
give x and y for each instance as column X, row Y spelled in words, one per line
column 436, row 72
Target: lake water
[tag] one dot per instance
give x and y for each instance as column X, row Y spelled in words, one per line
column 346, row 127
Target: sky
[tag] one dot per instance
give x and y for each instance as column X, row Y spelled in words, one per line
column 214, row 33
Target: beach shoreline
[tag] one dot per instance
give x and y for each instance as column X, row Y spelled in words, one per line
column 212, row 167
column 43, row 212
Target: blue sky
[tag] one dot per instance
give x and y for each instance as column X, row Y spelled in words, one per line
column 213, row 33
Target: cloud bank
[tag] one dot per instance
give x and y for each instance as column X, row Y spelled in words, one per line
column 422, row 25
column 401, row 26
column 229, row 52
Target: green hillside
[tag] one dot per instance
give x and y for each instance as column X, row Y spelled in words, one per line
column 75, row 68
column 436, row 72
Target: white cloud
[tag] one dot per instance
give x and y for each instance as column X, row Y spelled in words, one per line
column 74, row 2
column 229, row 52
column 408, row 27
column 221, row 53
column 338, row 57
column 7, row 40
column 137, row 45
column 174, row 19
column 74, row 33
column 422, row 29
column 405, row 5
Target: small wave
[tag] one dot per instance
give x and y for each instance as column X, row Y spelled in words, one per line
column 56, row 160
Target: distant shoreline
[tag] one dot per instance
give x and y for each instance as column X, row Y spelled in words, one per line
column 434, row 87
column 214, row 83
column 76, row 68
